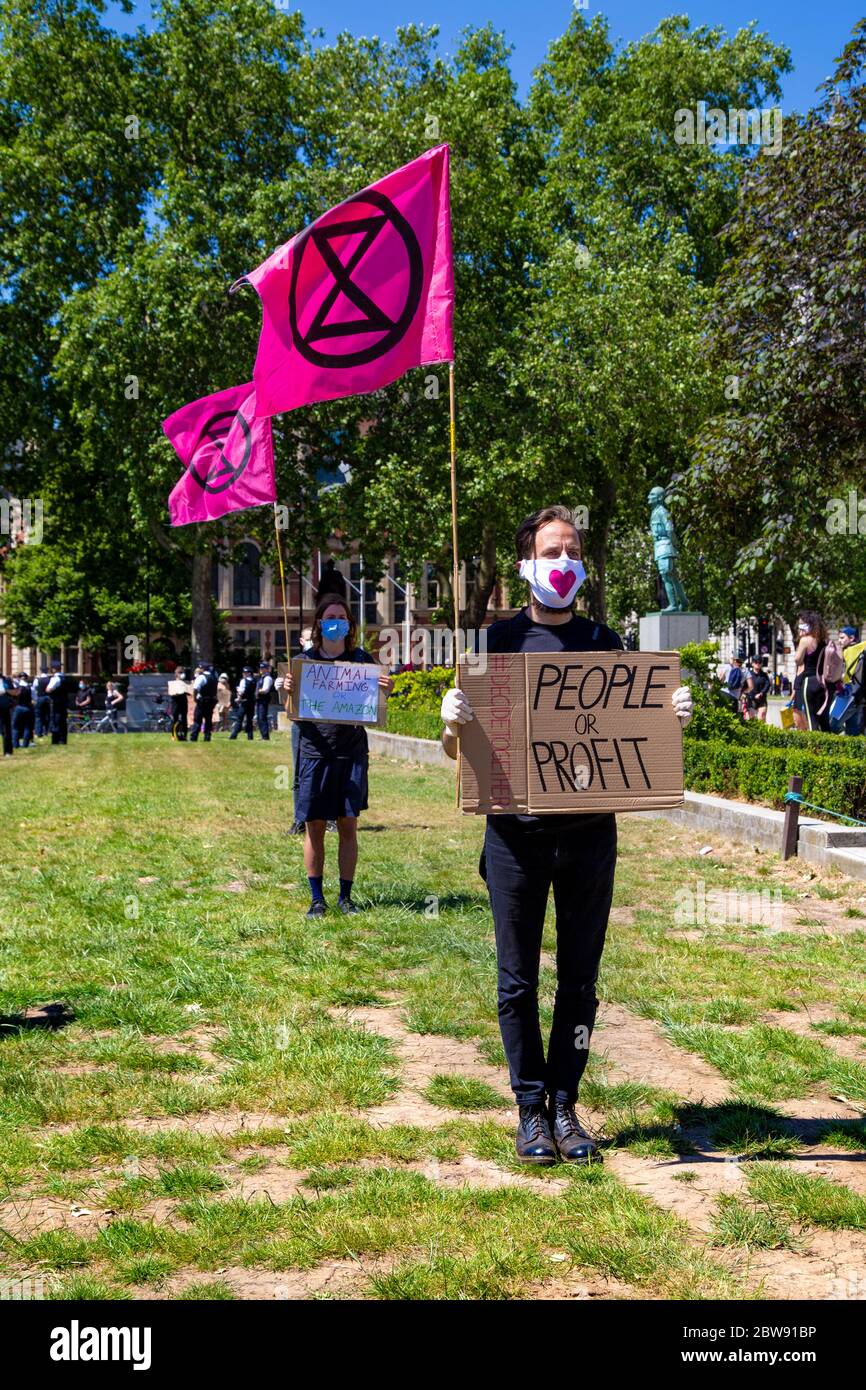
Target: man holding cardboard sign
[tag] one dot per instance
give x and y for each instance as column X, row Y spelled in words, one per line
column 558, row 745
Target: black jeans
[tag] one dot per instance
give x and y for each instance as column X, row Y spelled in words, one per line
column 263, row 717
column 243, row 719
column 6, row 726
column 22, row 726
column 203, row 719
column 520, row 864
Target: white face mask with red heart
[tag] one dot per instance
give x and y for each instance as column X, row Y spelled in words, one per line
column 553, row 582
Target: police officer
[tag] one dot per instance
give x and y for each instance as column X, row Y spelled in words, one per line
column 245, row 705
column 56, row 691
column 205, row 687
column 22, row 718
column 41, row 703
column 264, row 687
column 6, row 698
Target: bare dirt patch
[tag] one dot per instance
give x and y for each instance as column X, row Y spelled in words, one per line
column 634, row 1047
column 275, row 1183
column 422, row 1056
column 581, row 1285
column 337, row 1278
column 826, row 1264
column 659, row 1179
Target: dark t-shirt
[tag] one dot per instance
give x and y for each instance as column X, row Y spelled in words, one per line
column 521, row 634
column 334, row 740
column 757, row 696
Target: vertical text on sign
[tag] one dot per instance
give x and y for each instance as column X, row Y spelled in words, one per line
column 501, row 716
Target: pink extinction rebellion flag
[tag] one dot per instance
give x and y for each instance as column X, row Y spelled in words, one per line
column 362, row 294
column 227, row 452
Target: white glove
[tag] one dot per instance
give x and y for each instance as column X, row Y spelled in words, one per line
column 278, row 683
column 682, row 703
column 456, row 710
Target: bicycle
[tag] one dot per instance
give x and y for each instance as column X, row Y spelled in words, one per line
column 80, row 722
column 107, row 724
column 159, row 723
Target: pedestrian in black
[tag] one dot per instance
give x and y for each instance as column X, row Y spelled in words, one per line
column 57, row 694
column 22, row 715
column 42, row 704
column 245, row 704
column 7, row 699
column 524, row 856
column 83, row 698
column 264, row 693
column 178, row 694
column 810, row 697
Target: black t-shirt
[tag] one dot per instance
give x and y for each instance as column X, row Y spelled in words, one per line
column 757, row 696
column 334, row 740
column 522, row 634
column 579, row 634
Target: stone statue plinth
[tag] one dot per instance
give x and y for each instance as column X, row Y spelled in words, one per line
column 667, row 632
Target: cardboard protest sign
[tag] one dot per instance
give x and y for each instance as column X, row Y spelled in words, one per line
column 571, row 731
column 336, row 692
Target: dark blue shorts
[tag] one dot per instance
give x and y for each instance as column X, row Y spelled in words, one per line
column 329, row 788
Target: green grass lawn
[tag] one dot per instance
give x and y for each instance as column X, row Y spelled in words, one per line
column 152, row 887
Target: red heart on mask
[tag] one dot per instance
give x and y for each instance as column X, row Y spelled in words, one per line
column 562, row 582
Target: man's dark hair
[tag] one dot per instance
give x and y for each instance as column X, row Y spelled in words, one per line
column 529, row 525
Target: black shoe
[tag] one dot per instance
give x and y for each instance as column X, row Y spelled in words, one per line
column 331, row 825
column 534, row 1142
column 318, row 907
column 296, row 828
column 573, row 1142
column 347, row 907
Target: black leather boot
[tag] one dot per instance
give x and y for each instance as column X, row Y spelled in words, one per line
column 534, row 1142
column 572, row 1141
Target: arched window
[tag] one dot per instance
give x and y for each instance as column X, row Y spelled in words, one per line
column 247, row 587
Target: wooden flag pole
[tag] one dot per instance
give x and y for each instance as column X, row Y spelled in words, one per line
column 283, row 588
column 455, row 573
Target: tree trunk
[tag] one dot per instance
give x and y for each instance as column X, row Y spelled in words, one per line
column 596, row 543
column 201, row 633
column 485, row 579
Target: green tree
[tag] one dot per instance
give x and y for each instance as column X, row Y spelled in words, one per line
column 788, row 326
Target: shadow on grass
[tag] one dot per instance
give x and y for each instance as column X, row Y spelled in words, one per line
column 45, row 1016
column 741, row 1130
column 418, row 901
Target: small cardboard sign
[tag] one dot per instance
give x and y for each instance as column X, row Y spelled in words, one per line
column 571, row 731
column 336, row 692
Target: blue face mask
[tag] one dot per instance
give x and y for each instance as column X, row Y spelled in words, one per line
column 335, row 628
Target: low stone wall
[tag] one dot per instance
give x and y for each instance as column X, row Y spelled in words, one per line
column 410, row 750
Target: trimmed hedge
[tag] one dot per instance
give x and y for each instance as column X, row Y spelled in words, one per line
column 416, row 723
column 762, row 774
column 413, row 706
column 421, row 689
column 838, row 745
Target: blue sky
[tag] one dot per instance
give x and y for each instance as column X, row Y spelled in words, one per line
column 814, row 32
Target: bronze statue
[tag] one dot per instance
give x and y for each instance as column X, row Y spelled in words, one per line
column 666, row 551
